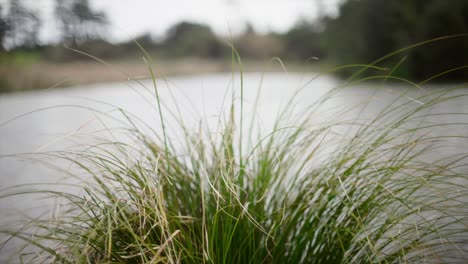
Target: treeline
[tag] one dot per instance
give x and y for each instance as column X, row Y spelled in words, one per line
column 363, row 31
column 366, row 30
column 77, row 23
column 84, row 29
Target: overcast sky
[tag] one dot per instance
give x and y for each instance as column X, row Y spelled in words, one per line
column 130, row 18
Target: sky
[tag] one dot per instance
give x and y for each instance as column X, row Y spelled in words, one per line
column 130, row 18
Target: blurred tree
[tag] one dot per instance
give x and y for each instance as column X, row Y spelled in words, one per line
column 145, row 40
column 4, row 27
column 78, row 22
column 20, row 27
column 192, row 39
column 304, row 41
column 442, row 18
column 249, row 29
column 366, row 30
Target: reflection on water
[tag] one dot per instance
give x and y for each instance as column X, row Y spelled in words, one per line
column 59, row 118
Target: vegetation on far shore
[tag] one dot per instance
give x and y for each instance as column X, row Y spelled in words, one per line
column 28, row 72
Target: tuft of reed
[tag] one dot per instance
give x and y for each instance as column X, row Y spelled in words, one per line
column 341, row 191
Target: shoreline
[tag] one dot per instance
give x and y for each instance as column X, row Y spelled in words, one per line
column 43, row 75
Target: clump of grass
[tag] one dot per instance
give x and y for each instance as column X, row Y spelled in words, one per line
column 341, row 191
